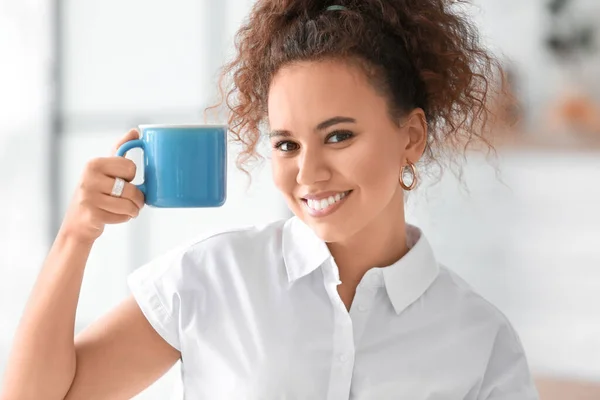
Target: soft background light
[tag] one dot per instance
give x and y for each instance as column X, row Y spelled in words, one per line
column 75, row 75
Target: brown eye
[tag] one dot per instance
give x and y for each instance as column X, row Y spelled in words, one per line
column 339, row 136
column 286, row 146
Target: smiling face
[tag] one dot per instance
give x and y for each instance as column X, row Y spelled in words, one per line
column 337, row 154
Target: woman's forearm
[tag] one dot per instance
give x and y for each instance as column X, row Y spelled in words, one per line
column 42, row 362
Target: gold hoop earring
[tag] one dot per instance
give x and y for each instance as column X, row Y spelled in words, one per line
column 413, row 172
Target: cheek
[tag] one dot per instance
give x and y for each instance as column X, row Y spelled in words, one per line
column 372, row 165
column 283, row 175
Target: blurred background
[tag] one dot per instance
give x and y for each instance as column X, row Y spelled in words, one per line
column 523, row 229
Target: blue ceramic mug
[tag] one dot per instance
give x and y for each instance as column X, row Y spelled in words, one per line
column 184, row 165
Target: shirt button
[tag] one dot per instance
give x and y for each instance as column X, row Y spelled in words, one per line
column 362, row 307
column 343, row 358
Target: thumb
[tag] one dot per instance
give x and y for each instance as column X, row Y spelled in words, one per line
column 131, row 135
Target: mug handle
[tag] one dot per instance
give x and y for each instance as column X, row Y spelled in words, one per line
column 125, row 147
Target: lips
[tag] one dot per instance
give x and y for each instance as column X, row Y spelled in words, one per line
column 325, row 203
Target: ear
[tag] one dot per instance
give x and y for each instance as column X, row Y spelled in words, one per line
column 415, row 126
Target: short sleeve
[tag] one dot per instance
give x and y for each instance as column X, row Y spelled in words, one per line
column 507, row 376
column 156, row 289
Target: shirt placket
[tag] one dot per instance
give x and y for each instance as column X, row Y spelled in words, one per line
column 361, row 311
column 342, row 364
column 364, row 299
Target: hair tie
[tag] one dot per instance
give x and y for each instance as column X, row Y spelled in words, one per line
column 336, row 8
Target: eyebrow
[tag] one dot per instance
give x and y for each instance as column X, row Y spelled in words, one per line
column 322, row 126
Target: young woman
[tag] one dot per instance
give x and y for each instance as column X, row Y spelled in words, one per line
column 345, row 299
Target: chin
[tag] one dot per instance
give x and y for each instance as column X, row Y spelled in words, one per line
column 334, row 228
column 329, row 231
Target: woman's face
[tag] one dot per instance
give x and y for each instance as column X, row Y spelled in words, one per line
column 336, row 153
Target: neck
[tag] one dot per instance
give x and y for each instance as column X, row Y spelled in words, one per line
column 379, row 244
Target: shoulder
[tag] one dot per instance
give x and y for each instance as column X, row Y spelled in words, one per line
column 458, row 293
column 190, row 282
column 238, row 240
column 223, row 248
column 471, row 309
column 487, row 334
column 491, row 339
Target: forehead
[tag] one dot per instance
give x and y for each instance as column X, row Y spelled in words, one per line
column 309, row 92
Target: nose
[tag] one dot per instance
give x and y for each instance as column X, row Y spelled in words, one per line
column 312, row 168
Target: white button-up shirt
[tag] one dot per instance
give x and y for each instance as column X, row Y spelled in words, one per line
column 256, row 314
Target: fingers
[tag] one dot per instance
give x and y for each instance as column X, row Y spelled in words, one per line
column 93, row 207
column 131, row 135
column 116, row 167
column 130, row 191
column 110, row 218
column 100, row 176
column 117, row 206
column 103, row 185
column 97, row 192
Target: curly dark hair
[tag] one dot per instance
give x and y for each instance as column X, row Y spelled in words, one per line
column 417, row 53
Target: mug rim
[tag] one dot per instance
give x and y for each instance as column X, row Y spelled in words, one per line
column 145, row 126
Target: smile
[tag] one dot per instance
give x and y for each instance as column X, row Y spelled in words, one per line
column 320, row 207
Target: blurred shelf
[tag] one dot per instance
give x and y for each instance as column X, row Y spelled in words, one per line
column 567, row 142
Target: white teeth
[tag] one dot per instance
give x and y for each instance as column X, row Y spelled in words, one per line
column 322, row 204
column 314, row 204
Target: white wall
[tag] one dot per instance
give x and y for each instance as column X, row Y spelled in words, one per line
column 24, row 88
column 134, row 56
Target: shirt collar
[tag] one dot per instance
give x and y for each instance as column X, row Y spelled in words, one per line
column 303, row 250
column 405, row 281
column 408, row 278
